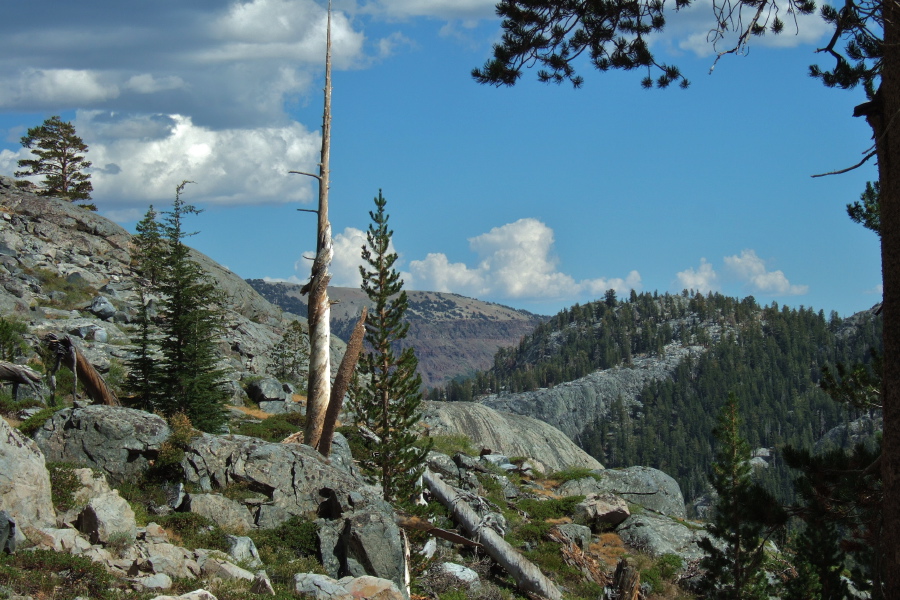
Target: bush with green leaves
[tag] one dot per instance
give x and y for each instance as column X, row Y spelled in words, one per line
column 12, row 343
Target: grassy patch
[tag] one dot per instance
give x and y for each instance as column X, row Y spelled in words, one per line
column 30, row 425
column 193, row 531
column 75, row 294
column 555, row 508
column 53, row 575
column 273, row 429
column 574, row 473
column 450, row 444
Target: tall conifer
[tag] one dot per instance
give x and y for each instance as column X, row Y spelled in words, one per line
column 744, row 516
column 388, row 394
column 186, row 378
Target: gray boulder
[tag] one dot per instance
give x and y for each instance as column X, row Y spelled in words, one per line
column 242, row 549
column 105, row 516
column 267, row 390
column 507, row 433
column 226, row 513
column 658, row 535
column 358, row 533
column 102, row 307
column 597, row 510
column 118, row 441
column 24, row 482
column 644, row 486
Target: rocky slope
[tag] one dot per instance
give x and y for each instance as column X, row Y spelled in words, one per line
column 57, row 260
column 453, row 335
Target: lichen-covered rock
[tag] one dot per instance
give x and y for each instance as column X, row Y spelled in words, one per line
column 226, row 513
column 322, row 587
column 644, row 486
column 24, row 481
column 118, row 441
column 507, row 433
column 106, row 516
column 358, row 532
column 658, row 535
column 597, row 510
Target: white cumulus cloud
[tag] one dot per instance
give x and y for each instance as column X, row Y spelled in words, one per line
column 751, row 269
column 704, row 279
column 140, row 160
column 514, row 261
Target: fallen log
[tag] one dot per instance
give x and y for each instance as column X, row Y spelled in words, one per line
column 17, row 375
column 527, row 576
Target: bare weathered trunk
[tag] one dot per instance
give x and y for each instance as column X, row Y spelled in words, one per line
column 19, row 374
column 528, row 577
column 68, row 356
column 319, row 313
column 341, row 383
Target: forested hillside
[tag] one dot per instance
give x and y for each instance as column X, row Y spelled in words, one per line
column 772, row 357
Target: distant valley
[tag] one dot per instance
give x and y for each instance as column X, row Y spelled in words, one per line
column 453, row 335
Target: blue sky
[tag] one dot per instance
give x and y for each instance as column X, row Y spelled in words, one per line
column 537, row 197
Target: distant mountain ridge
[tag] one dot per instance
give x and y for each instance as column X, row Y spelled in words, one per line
column 453, row 335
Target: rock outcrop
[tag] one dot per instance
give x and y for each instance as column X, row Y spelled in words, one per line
column 647, row 487
column 507, row 433
column 120, row 442
column 357, row 531
column 24, row 481
column 574, row 406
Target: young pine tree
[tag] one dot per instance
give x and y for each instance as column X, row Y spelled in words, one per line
column 143, row 373
column 59, row 157
column 189, row 379
column 745, row 516
column 291, row 354
column 150, row 248
column 388, row 393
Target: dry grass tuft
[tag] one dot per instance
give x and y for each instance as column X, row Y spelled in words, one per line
column 609, row 548
column 253, row 412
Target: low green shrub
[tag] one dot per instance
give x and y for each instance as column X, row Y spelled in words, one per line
column 574, row 473
column 554, row 508
column 63, row 485
column 53, row 575
column 273, row 429
column 36, row 421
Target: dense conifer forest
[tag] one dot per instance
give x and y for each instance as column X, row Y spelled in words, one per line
column 771, row 357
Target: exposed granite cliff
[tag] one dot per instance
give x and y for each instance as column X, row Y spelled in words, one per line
column 573, row 406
